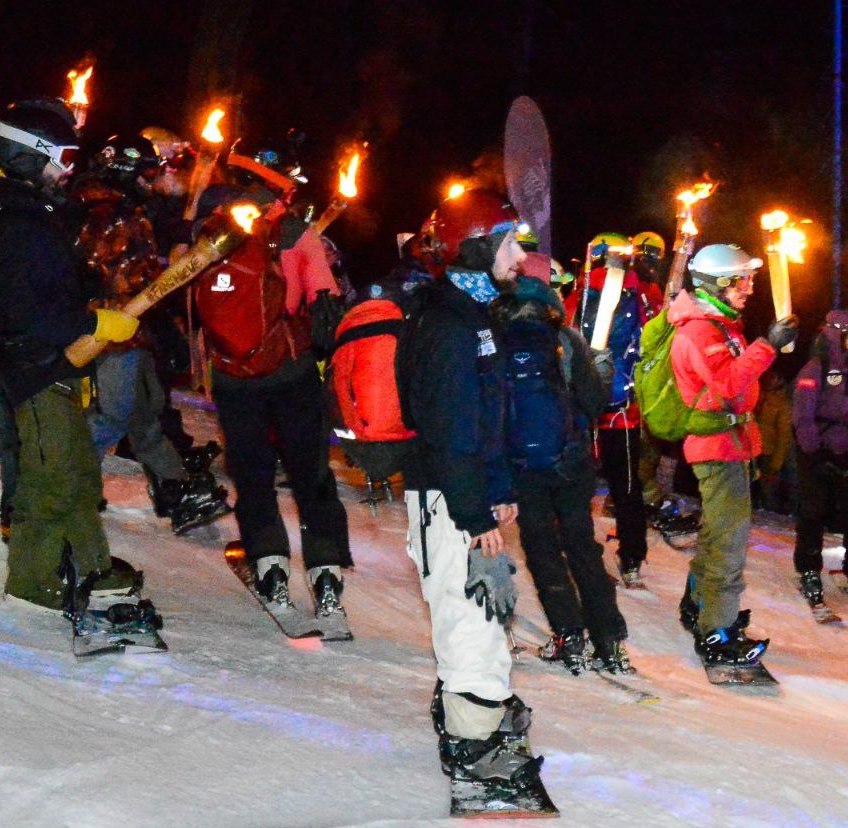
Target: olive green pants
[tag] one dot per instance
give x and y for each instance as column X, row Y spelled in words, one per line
column 56, row 501
column 717, row 569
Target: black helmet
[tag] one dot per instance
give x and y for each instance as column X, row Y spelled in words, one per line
column 264, row 165
column 34, row 133
column 125, row 160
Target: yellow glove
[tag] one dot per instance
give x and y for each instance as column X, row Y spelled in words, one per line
column 114, row 325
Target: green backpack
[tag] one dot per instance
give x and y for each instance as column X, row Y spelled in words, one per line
column 663, row 410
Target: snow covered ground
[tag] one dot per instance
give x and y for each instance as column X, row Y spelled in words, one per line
column 235, row 726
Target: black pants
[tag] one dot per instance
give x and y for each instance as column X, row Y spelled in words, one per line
column 619, row 449
column 282, row 413
column 822, row 502
column 555, row 517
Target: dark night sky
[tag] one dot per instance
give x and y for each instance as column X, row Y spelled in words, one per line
column 640, row 97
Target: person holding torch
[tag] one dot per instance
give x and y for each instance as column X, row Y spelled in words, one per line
column 716, row 370
column 44, row 310
column 615, row 305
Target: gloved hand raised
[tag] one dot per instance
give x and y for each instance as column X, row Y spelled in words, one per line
column 783, row 332
column 114, row 325
column 490, row 583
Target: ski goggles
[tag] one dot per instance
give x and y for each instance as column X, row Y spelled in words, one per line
column 61, row 157
column 744, row 282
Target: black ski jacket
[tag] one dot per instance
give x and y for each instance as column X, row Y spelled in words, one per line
column 456, row 400
column 43, row 308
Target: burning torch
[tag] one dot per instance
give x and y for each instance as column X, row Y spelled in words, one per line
column 78, row 100
column 346, row 191
column 617, row 259
column 210, row 146
column 685, row 233
column 785, row 242
column 204, row 252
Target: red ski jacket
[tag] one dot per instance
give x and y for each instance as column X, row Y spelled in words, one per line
column 702, row 354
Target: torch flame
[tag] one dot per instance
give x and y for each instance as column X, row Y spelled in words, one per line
column 689, row 228
column 211, row 132
column 774, row 220
column 793, row 243
column 245, row 214
column 78, row 82
column 347, row 178
column 455, row 190
column 698, row 192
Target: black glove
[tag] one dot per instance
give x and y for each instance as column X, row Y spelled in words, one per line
column 604, row 365
column 783, row 332
column 490, row 583
column 326, row 313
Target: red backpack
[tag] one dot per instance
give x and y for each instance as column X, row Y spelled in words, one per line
column 362, row 384
column 241, row 307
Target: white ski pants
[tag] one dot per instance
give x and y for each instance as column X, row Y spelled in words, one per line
column 472, row 654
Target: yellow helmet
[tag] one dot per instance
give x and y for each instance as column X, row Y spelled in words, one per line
column 648, row 243
column 604, row 241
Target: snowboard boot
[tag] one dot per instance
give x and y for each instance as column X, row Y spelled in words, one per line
column 730, row 645
column 505, row 756
column 188, row 503
column 272, row 579
column 688, row 609
column 811, row 587
column 569, row 647
column 327, row 584
column 611, row 656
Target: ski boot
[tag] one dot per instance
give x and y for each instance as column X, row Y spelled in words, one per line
column 631, row 575
column 611, row 656
column 810, row 587
column 569, row 647
column 730, row 645
column 327, row 585
column 272, row 580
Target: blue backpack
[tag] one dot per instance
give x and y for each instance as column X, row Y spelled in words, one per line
column 623, row 342
column 538, row 412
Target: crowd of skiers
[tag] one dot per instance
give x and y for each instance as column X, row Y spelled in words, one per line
column 504, row 408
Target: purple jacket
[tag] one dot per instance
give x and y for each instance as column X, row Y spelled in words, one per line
column 820, row 406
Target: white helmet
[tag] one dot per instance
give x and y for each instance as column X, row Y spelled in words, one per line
column 717, row 266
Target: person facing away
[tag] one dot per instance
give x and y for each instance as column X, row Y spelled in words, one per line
column 717, row 370
column 554, row 393
column 820, row 421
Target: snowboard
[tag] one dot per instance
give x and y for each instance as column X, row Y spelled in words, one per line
column 125, row 623
column 501, row 799
column 749, row 675
column 293, row 621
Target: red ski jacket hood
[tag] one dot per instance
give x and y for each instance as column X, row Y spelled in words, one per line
column 710, row 352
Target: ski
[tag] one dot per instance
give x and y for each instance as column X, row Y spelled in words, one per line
column 293, row 621
column 501, row 799
column 749, row 675
column 823, row 614
column 112, row 629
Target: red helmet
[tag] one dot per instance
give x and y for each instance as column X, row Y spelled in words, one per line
column 476, row 214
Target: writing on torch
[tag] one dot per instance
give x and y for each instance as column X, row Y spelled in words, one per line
column 206, row 251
